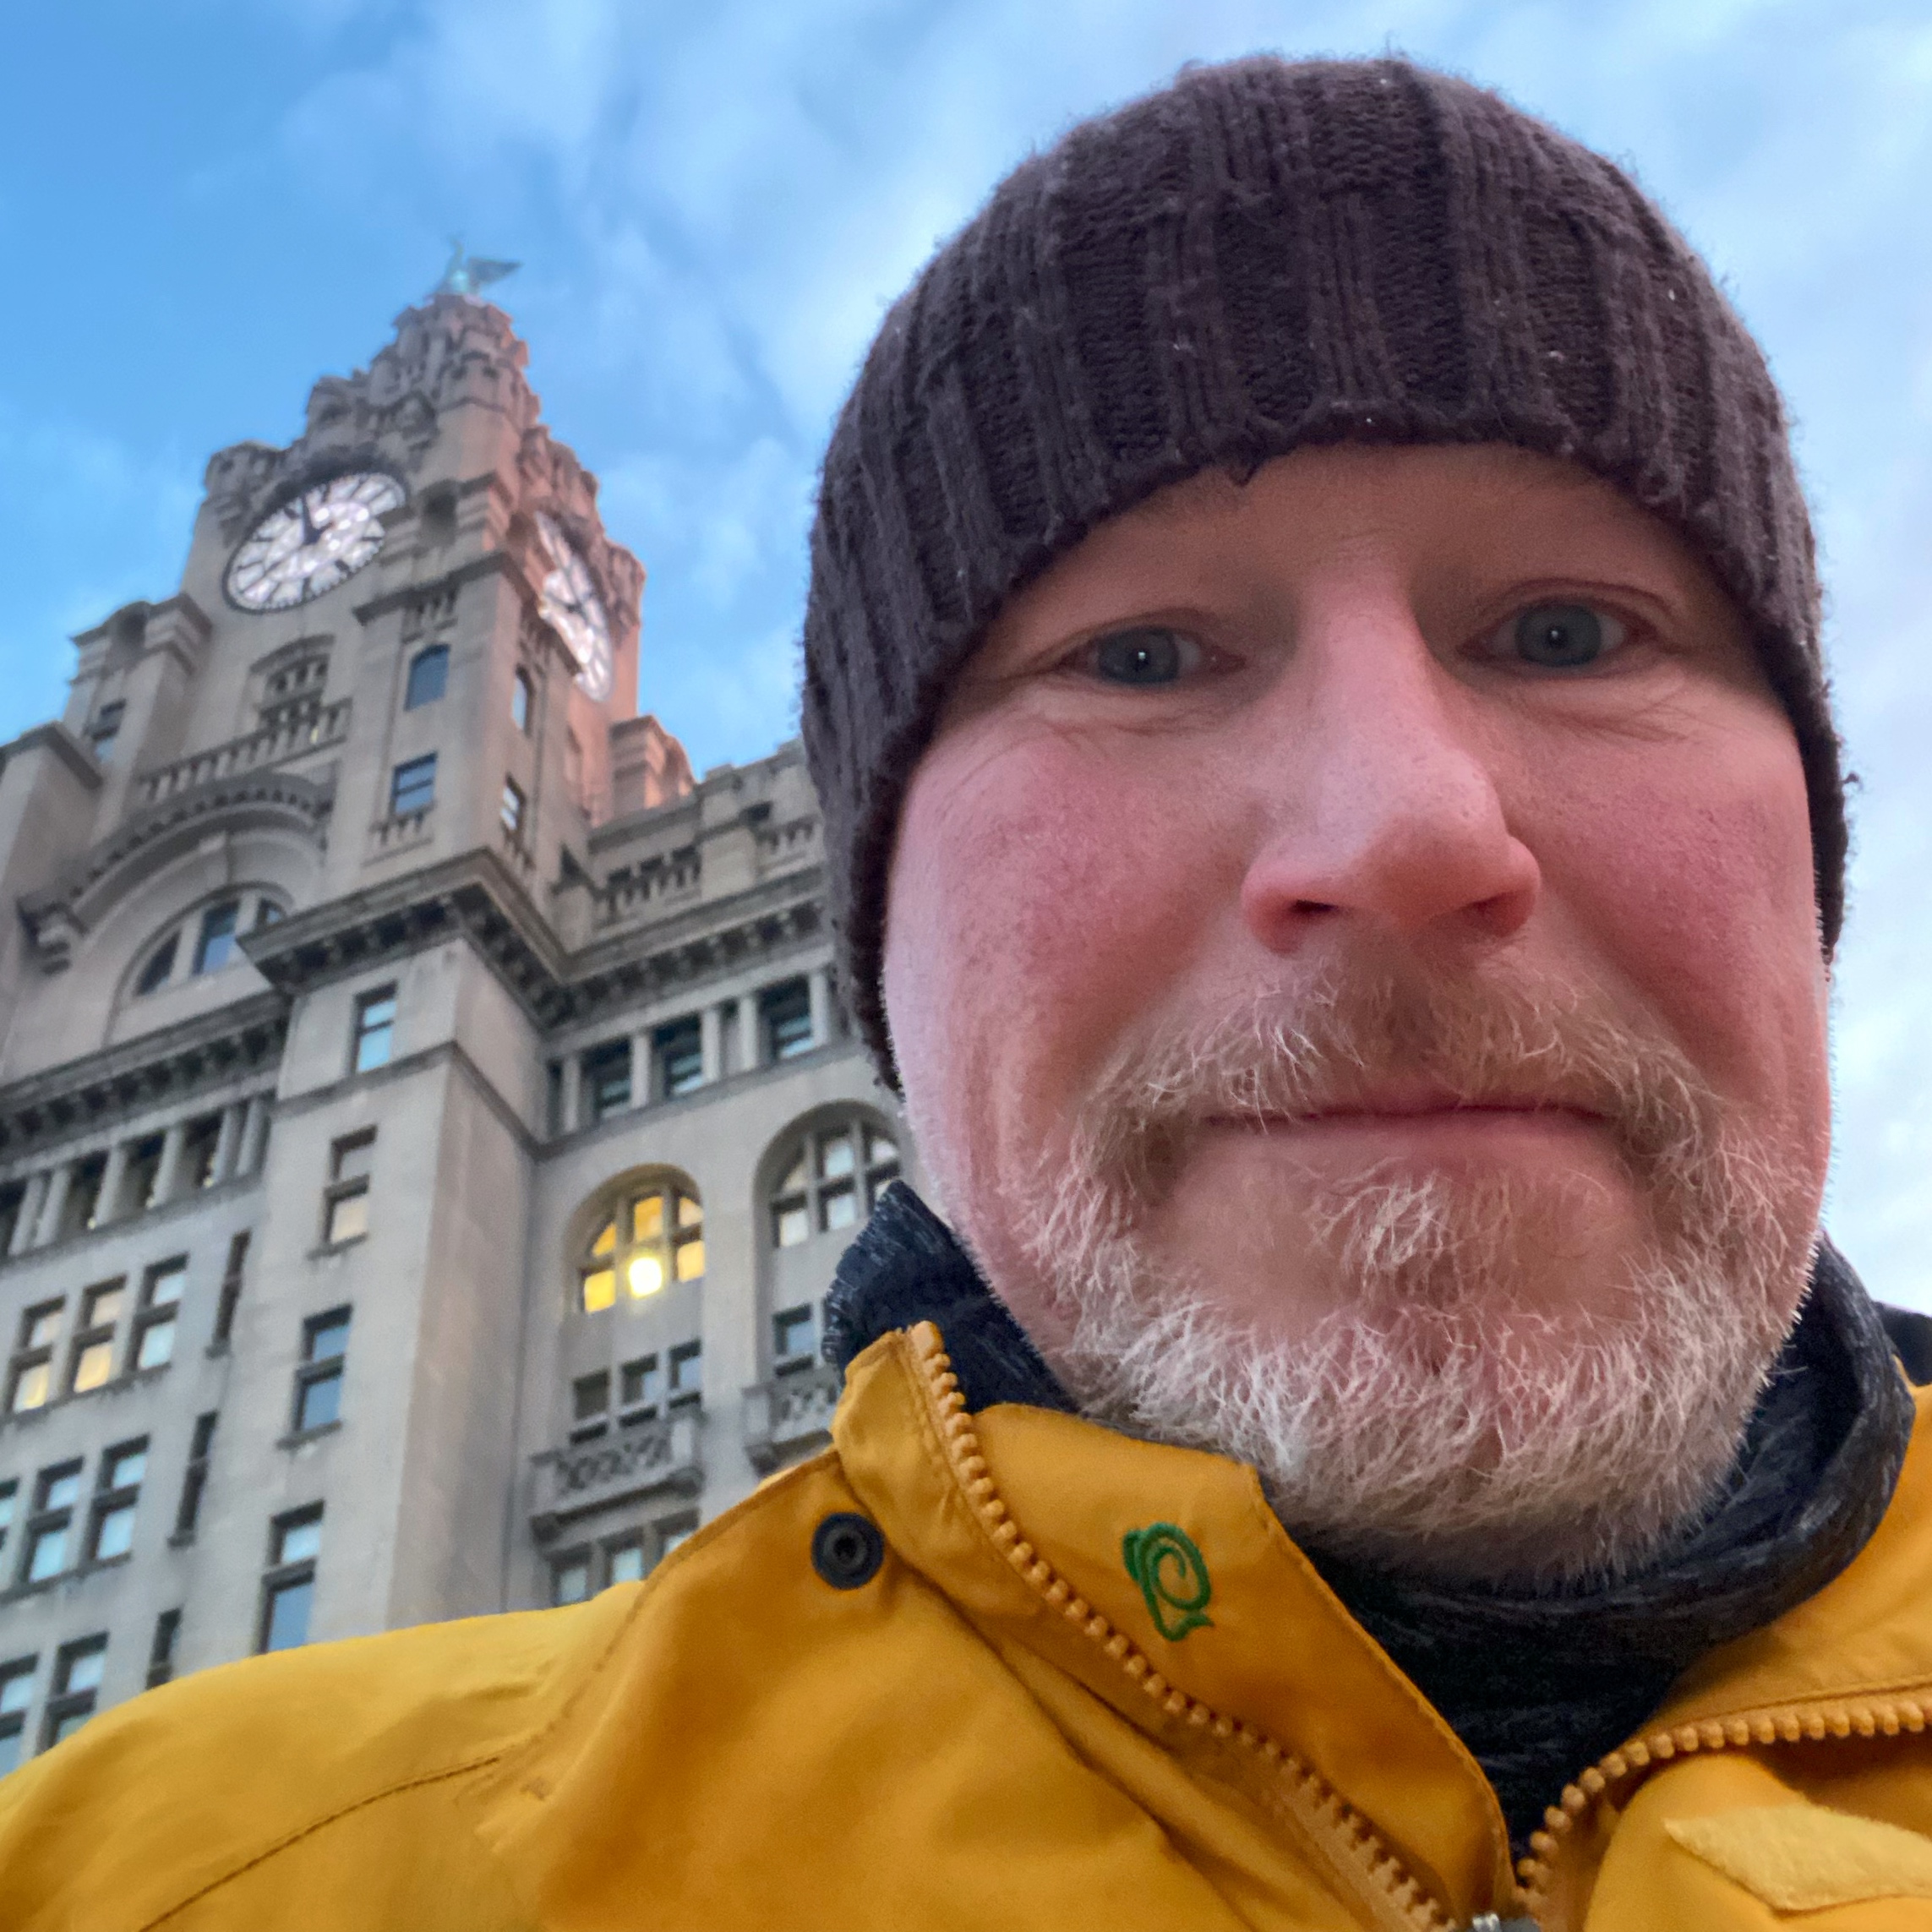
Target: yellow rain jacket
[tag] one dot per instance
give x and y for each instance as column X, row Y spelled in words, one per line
column 1090, row 1682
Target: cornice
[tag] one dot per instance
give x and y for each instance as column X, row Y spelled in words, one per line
column 477, row 898
column 55, row 737
column 208, row 1051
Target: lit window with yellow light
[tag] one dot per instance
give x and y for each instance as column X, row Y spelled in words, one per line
column 651, row 1238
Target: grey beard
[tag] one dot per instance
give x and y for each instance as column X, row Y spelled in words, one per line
column 1451, row 1417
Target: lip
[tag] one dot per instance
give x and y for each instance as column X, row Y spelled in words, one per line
column 1420, row 1109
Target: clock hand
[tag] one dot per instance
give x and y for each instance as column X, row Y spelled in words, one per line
column 309, row 530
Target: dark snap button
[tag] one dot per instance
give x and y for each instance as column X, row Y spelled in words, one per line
column 847, row 1550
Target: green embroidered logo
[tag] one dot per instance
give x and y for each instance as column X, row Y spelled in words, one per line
column 1172, row 1576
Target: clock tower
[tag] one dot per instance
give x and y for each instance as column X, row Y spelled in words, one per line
column 428, row 1123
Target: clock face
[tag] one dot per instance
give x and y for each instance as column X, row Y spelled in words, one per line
column 311, row 544
column 569, row 600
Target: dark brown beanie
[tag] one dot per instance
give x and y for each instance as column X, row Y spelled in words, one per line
column 1263, row 255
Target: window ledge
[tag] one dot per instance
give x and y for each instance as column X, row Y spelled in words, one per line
column 114, row 1385
column 299, row 1439
column 323, row 1250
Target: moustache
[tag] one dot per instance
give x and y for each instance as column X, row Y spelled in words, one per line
column 1344, row 1042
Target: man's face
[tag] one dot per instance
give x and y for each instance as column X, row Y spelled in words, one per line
column 1351, row 947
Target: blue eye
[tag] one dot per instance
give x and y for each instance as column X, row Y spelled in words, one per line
column 1563, row 636
column 1147, row 656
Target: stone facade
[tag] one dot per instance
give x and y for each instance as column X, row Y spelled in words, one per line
column 417, row 1182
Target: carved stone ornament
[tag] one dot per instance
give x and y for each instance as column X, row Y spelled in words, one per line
column 451, row 350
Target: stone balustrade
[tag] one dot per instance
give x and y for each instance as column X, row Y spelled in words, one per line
column 616, row 1469
column 288, row 737
column 790, row 1414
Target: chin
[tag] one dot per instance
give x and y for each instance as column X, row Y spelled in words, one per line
column 1444, row 1379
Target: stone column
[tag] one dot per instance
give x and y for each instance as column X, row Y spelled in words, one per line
column 641, row 1068
column 167, row 1174
column 750, row 1045
column 711, row 1034
column 818, row 983
column 54, row 1206
column 113, row 1179
column 573, row 1093
column 27, row 1223
column 227, row 1144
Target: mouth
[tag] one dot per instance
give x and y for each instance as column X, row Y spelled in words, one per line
column 1418, row 1108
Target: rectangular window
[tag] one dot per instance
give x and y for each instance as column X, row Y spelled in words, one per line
column 105, row 729
column 318, row 1381
column 625, row 1560
column 50, row 1528
column 792, row 1335
column 680, row 1057
column 143, row 1169
column 78, row 1670
column 215, row 946
column 571, row 1577
column 375, row 1030
column 118, row 1492
column 511, row 809
column 12, row 1199
column 161, row 1652
column 607, row 1079
column 154, row 1325
column 194, row 1478
column 685, row 1375
column 231, row 1277
column 92, row 1356
column 590, row 1406
column 29, row 1375
column 82, row 1210
column 345, row 1201
column 519, row 701
column 16, row 1699
column 786, row 1014
column 9, row 1501
column 639, row 1383
column 288, row 1591
column 200, row 1141
column 412, row 787
column 428, row 677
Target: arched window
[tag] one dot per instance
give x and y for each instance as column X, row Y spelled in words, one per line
column 653, row 1235
column 428, row 674
column 519, row 701
column 830, row 1180
column 213, row 941
column 159, row 968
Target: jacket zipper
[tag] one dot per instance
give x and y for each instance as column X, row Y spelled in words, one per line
column 1774, row 1724
column 1314, row 1803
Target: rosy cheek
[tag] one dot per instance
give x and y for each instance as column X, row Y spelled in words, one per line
column 1042, row 897
column 1693, row 881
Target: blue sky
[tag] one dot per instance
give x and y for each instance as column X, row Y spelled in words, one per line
column 206, row 204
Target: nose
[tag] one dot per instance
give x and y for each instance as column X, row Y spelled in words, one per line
column 1382, row 803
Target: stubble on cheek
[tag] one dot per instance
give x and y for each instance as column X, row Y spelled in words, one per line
column 1035, row 913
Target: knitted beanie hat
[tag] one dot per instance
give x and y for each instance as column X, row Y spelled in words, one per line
column 1265, row 255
